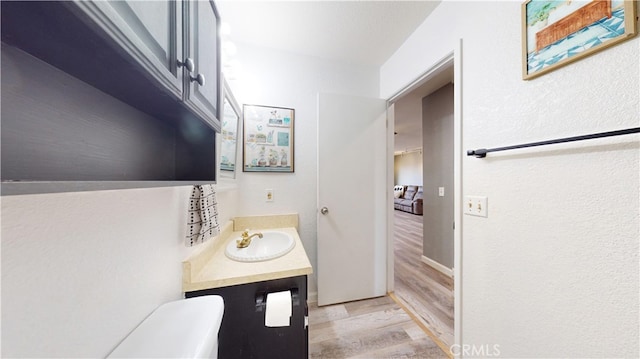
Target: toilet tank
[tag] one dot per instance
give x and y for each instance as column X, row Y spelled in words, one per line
column 186, row 328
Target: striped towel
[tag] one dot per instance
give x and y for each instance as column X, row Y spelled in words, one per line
column 203, row 215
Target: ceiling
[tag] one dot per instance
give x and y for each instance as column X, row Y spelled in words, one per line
column 356, row 32
column 362, row 33
column 408, row 111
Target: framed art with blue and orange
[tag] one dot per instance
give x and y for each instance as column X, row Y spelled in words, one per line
column 557, row 33
column 268, row 139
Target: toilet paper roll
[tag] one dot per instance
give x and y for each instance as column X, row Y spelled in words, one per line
column 278, row 312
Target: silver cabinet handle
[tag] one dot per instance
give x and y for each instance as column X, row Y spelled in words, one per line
column 324, row 210
column 199, row 79
column 188, row 64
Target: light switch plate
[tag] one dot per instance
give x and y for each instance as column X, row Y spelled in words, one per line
column 475, row 206
column 441, row 191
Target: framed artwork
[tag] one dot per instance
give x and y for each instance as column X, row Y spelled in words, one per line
column 557, row 33
column 268, row 139
column 229, row 129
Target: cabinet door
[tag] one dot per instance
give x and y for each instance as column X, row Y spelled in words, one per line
column 202, row 86
column 243, row 333
column 149, row 31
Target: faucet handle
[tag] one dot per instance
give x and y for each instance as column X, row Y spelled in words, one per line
column 245, row 234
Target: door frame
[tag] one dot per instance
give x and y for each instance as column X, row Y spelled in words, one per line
column 454, row 57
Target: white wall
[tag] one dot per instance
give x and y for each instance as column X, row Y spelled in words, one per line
column 275, row 78
column 408, row 168
column 81, row 270
column 553, row 271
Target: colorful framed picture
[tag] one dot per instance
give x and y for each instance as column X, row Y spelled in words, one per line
column 268, row 139
column 557, row 33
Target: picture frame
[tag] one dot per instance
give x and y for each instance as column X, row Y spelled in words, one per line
column 268, row 139
column 557, row 33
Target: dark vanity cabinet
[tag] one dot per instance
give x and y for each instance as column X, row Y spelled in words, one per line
column 243, row 333
column 161, row 59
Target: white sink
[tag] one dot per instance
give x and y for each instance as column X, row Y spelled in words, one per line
column 273, row 244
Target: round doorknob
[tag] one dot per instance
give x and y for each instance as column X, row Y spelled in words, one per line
column 324, row 210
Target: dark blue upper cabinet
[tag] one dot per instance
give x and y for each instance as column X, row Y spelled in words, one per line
column 203, row 92
column 175, row 42
column 150, row 32
column 158, row 60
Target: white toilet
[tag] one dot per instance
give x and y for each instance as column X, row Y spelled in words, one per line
column 186, row 328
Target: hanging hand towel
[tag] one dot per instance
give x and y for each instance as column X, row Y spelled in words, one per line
column 203, row 215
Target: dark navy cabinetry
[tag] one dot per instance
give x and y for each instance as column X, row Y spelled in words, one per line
column 160, row 58
column 243, row 333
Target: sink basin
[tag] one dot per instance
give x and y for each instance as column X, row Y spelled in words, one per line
column 273, row 244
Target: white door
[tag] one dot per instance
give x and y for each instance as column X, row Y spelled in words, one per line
column 352, row 204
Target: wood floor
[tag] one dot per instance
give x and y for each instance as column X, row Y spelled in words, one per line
column 372, row 328
column 382, row 327
column 423, row 290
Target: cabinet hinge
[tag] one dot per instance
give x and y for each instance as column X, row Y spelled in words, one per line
column 306, row 321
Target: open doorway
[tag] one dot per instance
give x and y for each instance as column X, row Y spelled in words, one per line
column 423, row 234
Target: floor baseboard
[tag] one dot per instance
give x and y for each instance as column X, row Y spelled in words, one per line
column 437, row 266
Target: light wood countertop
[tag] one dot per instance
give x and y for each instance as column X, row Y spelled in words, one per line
column 211, row 268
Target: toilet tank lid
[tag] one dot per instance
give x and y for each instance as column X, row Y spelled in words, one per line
column 186, row 328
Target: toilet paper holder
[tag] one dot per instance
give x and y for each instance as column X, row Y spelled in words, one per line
column 261, row 299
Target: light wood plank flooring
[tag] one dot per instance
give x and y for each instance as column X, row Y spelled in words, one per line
column 424, row 291
column 372, row 328
column 382, row 328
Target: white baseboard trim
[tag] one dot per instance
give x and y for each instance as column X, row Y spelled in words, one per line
column 437, row 266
